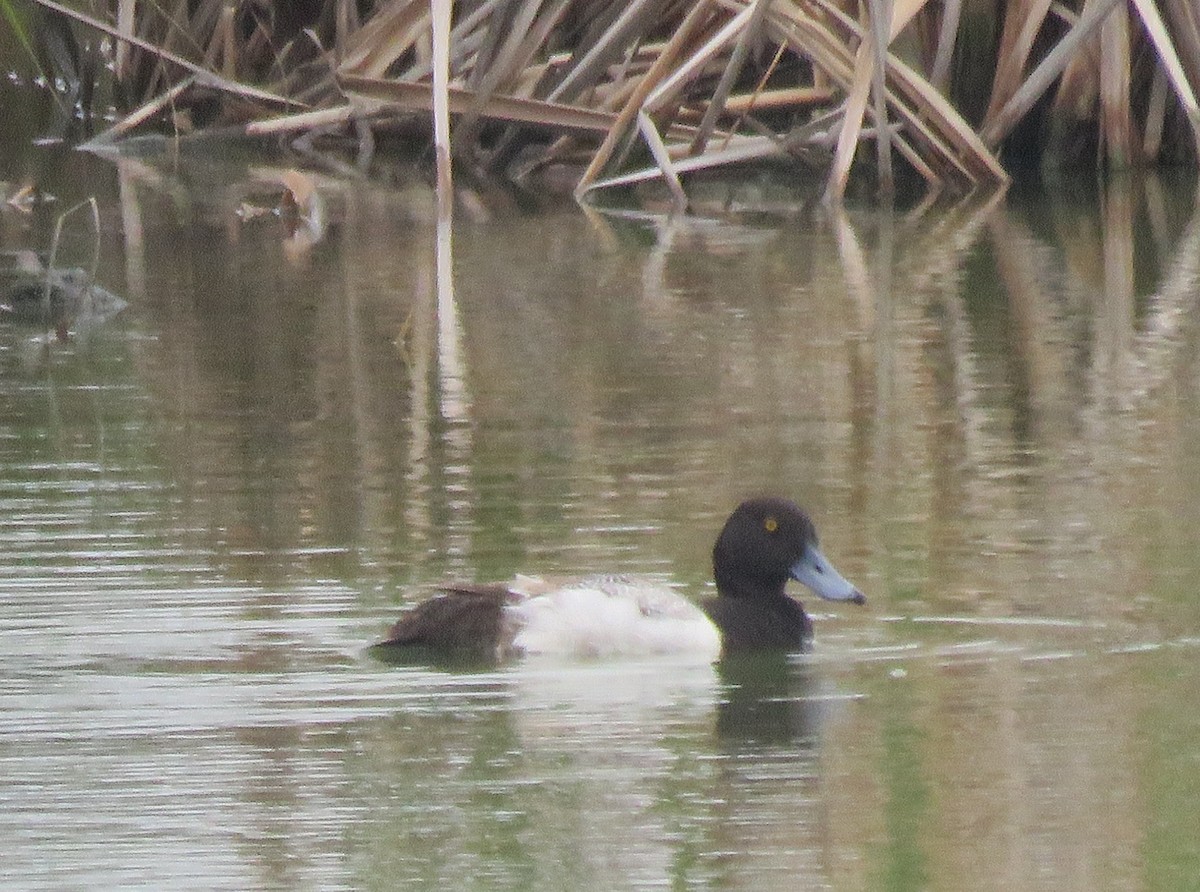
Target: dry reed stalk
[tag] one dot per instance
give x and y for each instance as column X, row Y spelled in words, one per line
column 733, row 67
column 1182, row 21
column 417, row 97
column 638, row 17
column 852, row 122
column 464, row 41
column 1023, row 20
column 670, row 87
column 613, row 96
column 203, row 76
column 136, row 117
column 1116, row 127
column 767, row 72
column 784, row 97
column 345, row 22
column 311, row 120
column 441, row 11
column 1077, row 93
column 126, row 20
column 663, row 159
column 526, row 37
column 794, row 27
column 880, row 13
column 1156, row 115
column 221, row 52
column 386, row 36
column 831, row 52
column 870, row 67
column 691, row 24
column 744, row 149
column 939, row 73
column 1044, row 74
column 952, row 146
column 1171, row 63
column 947, row 132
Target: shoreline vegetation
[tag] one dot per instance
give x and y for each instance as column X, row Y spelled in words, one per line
column 630, row 91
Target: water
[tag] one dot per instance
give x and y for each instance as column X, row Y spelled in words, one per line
column 211, row 505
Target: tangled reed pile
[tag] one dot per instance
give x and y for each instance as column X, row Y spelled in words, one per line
column 639, row 89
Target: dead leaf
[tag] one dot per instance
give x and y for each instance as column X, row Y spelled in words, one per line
column 247, row 211
column 300, row 187
column 23, row 199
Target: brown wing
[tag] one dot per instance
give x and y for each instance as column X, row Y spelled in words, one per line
column 463, row 619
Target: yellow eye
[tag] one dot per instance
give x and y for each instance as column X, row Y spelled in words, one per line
column 770, row 524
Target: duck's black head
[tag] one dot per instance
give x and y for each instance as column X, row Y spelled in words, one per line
column 768, row 541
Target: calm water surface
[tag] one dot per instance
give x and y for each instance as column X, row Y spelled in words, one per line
column 211, row 505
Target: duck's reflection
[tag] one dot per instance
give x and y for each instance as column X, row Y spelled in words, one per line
column 768, row 698
column 652, row 772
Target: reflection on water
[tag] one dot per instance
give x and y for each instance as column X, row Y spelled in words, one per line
column 215, row 501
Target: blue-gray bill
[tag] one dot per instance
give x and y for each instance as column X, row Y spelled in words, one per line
column 814, row 570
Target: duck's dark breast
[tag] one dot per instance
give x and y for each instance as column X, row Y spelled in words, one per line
column 746, row 626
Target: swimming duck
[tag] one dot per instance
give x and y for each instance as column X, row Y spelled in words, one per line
column 70, row 297
column 764, row 543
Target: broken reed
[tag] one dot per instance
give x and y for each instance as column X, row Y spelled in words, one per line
column 642, row 89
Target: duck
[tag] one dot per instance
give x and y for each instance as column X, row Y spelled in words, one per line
column 69, row 296
column 766, row 542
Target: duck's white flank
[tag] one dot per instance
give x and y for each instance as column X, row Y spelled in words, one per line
column 608, row 616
